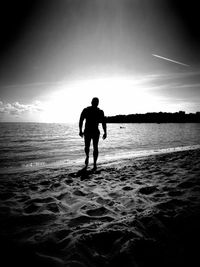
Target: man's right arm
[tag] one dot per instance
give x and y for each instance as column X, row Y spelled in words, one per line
column 82, row 117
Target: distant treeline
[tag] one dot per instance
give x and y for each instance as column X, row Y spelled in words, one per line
column 160, row 117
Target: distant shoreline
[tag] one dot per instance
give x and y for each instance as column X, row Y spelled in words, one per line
column 153, row 117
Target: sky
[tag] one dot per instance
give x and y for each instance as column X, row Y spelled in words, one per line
column 58, row 54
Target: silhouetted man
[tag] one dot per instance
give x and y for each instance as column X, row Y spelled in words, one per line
column 93, row 116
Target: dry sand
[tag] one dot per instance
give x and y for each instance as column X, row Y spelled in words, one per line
column 137, row 212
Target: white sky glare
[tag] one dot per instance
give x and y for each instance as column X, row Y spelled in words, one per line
column 57, row 55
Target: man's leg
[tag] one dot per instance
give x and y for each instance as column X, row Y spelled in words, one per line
column 87, row 148
column 95, row 149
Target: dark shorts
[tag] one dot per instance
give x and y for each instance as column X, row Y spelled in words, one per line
column 91, row 135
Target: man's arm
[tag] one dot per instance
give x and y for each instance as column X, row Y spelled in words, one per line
column 104, row 126
column 82, row 117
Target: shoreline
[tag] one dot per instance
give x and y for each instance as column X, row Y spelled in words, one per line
column 103, row 160
column 148, row 153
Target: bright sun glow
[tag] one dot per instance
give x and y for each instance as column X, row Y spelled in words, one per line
column 117, row 96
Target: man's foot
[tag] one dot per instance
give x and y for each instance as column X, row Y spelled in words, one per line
column 94, row 168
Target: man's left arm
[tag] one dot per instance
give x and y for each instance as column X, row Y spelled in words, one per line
column 104, row 126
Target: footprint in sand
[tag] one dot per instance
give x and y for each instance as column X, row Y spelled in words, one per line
column 171, row 204
column 138, row 182
column 33, row 207
column 56, row 185
column 196, row 188
column 5, row 196
column 79, row 193
column 159, row 195
column 49, row 260
column 45, row 182
column 68, row 181
column 186, row 184
column 114, row 194
column 175, row 193
column 148, row 190
column 34, row 187
column 105, row 201
column 83, row 219
column 53, row 207
column 127, row 188
column 98, row 211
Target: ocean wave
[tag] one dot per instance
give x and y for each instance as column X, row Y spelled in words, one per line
column 62, row 145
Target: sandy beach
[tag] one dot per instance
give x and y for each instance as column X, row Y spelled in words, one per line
column 136, row 212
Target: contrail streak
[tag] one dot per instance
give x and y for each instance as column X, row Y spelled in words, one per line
column 174, row 61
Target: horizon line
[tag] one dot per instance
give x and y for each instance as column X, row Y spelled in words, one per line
column 164, row 112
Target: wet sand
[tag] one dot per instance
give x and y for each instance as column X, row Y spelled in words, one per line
column 135, row 212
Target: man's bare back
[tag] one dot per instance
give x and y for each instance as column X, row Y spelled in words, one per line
column 92, row 116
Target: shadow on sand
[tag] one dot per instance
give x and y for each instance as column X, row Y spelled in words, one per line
column 84, row 173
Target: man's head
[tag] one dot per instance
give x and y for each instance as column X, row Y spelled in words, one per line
column 95, row 102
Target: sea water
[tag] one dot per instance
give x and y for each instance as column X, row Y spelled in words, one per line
column 26, row 146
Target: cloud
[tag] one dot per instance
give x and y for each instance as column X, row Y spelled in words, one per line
column 190, row 77
column 16, row 109
column 177, row 85
column 34, row 85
